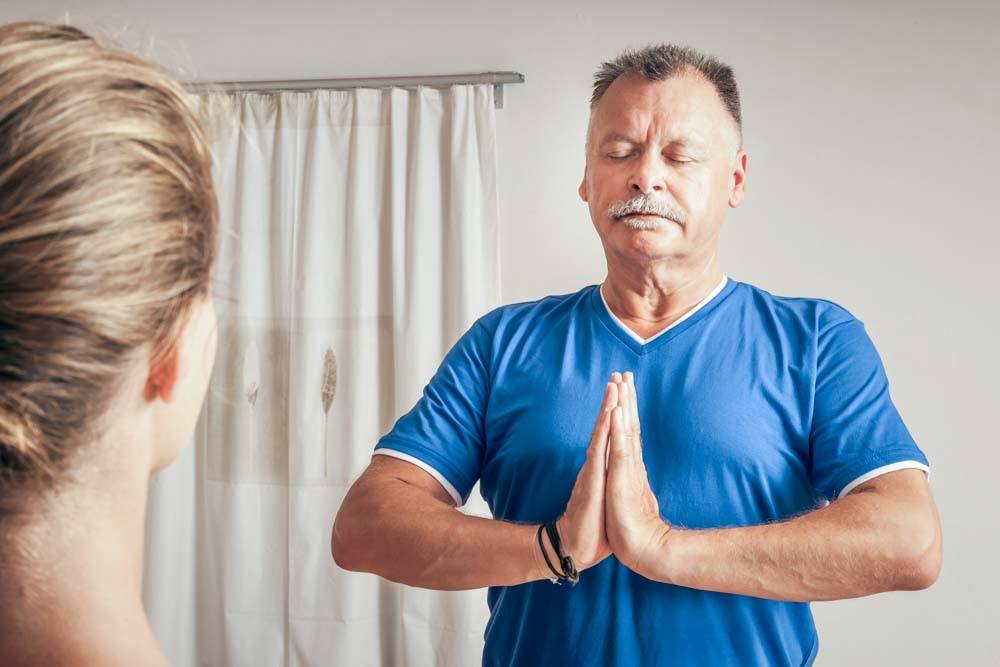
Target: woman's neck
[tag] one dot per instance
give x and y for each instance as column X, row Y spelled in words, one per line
column 71, row 573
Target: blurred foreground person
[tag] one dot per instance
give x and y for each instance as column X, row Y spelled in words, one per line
column 107, row 333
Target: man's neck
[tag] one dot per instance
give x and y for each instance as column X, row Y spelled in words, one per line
column 650, row 299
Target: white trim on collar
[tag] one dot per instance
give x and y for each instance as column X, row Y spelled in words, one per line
column 643, row 341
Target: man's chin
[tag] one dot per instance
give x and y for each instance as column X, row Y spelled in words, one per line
column 645, row 245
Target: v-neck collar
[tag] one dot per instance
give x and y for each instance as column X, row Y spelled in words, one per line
column 640, row 346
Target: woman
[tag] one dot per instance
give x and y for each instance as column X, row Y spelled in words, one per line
column 108, row 227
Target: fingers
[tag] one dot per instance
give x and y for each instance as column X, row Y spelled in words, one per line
column 625, row 441
column 635, row 439
column 620, row 480
column 629, row 400
column 625, row 401
column 621, row 449
column 610, row 399
column 633, row 402
column 597, row 450
column 603, row 425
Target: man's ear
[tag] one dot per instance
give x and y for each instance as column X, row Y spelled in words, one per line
column 583, row 185
column 163, row 377
column 738, row 179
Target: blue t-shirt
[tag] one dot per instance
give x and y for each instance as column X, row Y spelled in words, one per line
column 753, row 407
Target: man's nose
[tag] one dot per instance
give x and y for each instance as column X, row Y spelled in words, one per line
column 648, row 176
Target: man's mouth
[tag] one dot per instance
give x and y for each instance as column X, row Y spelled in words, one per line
column 646, row 218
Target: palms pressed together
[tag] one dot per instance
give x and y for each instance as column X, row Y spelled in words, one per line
column 612, row 508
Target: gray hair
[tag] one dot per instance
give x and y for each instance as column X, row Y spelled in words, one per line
column 660, row 62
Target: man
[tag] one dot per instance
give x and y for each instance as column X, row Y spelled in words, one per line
column 749, row 461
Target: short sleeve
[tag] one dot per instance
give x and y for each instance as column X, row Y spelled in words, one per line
column 856, row 432
column 444, row 432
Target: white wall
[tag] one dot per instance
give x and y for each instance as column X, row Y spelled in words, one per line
column 873, row 138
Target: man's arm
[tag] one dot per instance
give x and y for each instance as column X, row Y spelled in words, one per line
column 398, row 522
column 883, row 536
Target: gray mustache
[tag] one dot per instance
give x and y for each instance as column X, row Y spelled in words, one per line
column 644, row 205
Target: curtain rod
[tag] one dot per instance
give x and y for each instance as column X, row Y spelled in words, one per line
column 497, row 79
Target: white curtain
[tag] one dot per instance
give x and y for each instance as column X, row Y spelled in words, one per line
column 360, row 241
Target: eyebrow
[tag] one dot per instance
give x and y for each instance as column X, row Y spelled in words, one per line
column 676, row 143
column 614, row 136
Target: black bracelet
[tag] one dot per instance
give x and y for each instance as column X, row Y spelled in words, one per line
column 566, row 562
column 548, row 562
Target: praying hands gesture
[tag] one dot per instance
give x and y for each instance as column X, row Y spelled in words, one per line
column 632, row 514
column 612, row 508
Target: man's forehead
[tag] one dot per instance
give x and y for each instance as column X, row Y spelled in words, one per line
column 685, row 107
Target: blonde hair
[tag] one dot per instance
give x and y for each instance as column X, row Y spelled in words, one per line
column 108, row 233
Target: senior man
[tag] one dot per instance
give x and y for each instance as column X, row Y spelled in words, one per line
column 748, row 460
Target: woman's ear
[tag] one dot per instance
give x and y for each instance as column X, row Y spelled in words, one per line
column 176, row 383
column 163, row 378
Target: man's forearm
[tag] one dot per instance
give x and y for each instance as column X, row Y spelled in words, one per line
column 859, row 545
column 408, row 537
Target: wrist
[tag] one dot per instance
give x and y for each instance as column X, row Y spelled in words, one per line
column 657, row 560
column 567, row 546
column 538, row 563
column 570, row 548
column 560, row 564
column 541, row 568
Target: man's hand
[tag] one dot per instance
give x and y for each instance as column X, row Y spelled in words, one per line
column 581, row 527
column 633, row 521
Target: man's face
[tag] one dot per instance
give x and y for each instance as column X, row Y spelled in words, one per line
column 674, row 142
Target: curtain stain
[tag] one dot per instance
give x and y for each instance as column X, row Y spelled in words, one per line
column 329, row 380
column 252, row 392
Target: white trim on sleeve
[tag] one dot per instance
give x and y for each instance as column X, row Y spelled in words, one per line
column 892, row 467
column 452, row 491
